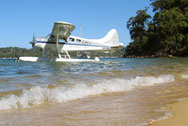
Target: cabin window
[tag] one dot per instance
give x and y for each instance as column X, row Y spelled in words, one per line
column 78, row 40
column 85, row 42
column 71, row 39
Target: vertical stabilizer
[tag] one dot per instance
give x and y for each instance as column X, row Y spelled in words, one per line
column 111, row 38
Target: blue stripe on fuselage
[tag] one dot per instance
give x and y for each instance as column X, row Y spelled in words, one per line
column 68, row 44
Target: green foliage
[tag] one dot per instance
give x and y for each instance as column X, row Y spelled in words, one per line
column 14, row 52
column 138, row 30
column 137, row 25
column 165, row 34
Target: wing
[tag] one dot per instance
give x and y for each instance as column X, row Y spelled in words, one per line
column 62, row 30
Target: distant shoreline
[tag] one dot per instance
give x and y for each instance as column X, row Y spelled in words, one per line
column 7, row 58
column 152, row 56
column 122, row 57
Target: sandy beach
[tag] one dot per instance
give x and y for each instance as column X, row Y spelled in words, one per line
column 180, row 115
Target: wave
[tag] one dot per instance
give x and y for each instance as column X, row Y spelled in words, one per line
column 42, row 95
column 185, row 76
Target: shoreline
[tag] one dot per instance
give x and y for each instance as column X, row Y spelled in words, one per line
column 179, row 115
column 151, row 56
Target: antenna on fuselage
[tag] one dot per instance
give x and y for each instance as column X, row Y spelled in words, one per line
column 80, row 30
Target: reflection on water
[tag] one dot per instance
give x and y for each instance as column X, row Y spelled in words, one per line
column 111, row 92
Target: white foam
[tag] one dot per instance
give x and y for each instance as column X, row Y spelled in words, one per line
column 185, row 76
column 39, row 95
column 182, row 99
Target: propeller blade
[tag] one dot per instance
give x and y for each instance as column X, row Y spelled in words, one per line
column 33, row 42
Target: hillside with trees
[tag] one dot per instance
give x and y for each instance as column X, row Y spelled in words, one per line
column 164, row 34
column 14, row 52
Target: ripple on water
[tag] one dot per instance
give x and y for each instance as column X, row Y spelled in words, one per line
column 111, row 92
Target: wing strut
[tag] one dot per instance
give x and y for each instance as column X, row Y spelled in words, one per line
column 67, row 54
column 57, row 49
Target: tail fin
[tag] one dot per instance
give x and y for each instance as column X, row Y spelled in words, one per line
column 111, row 39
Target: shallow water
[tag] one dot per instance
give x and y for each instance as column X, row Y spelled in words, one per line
column 115, row 92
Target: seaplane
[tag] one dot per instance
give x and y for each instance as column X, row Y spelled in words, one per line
column 62, row 42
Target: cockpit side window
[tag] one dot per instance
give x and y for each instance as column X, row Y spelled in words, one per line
column 78, row 40
column 71, row 39
column 62, row 41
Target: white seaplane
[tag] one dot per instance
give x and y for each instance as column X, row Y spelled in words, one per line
column 61, row 41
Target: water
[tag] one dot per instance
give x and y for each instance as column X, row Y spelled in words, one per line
column 123, row 92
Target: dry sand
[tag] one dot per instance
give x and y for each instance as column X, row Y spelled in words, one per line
column 180, row 115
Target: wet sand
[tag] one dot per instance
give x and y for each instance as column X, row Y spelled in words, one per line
column 180, row 115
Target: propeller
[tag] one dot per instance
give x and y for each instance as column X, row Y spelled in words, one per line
column 33, row 42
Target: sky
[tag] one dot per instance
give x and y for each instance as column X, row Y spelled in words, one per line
column 19, row 19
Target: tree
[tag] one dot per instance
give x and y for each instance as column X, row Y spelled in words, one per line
column 165, row 34
column 138, row 30
column 171, row 22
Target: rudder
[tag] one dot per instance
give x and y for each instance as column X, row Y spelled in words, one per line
column 111, row 38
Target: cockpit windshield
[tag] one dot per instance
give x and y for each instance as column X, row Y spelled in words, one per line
column 47, row 36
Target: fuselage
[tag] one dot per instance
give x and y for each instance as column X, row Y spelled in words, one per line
column 73, row 43
column 61, row 41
